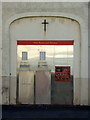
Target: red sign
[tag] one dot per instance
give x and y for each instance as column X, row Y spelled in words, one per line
column 62, row 73
column 44, row 42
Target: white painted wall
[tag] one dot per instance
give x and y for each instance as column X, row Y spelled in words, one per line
column 77, row 11
column 58, row 28
column 32, row 28
column 0, row 53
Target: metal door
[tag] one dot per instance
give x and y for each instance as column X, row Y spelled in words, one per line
column 43, row 87
column 26, row 87
column 62, row 92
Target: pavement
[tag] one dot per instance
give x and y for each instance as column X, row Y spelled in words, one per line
column 12, row 112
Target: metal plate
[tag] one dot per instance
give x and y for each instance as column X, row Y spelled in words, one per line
column 43, row 87
column 26, row 87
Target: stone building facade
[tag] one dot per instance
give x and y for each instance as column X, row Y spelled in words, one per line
column 23, row 21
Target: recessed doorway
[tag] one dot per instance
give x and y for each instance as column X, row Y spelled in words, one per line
column 45, row 72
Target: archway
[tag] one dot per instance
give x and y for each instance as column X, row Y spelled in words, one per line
column 53, row 19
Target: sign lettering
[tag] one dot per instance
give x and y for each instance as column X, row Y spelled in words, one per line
column 62, row 73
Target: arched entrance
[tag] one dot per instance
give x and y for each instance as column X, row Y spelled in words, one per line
column 22, row 29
